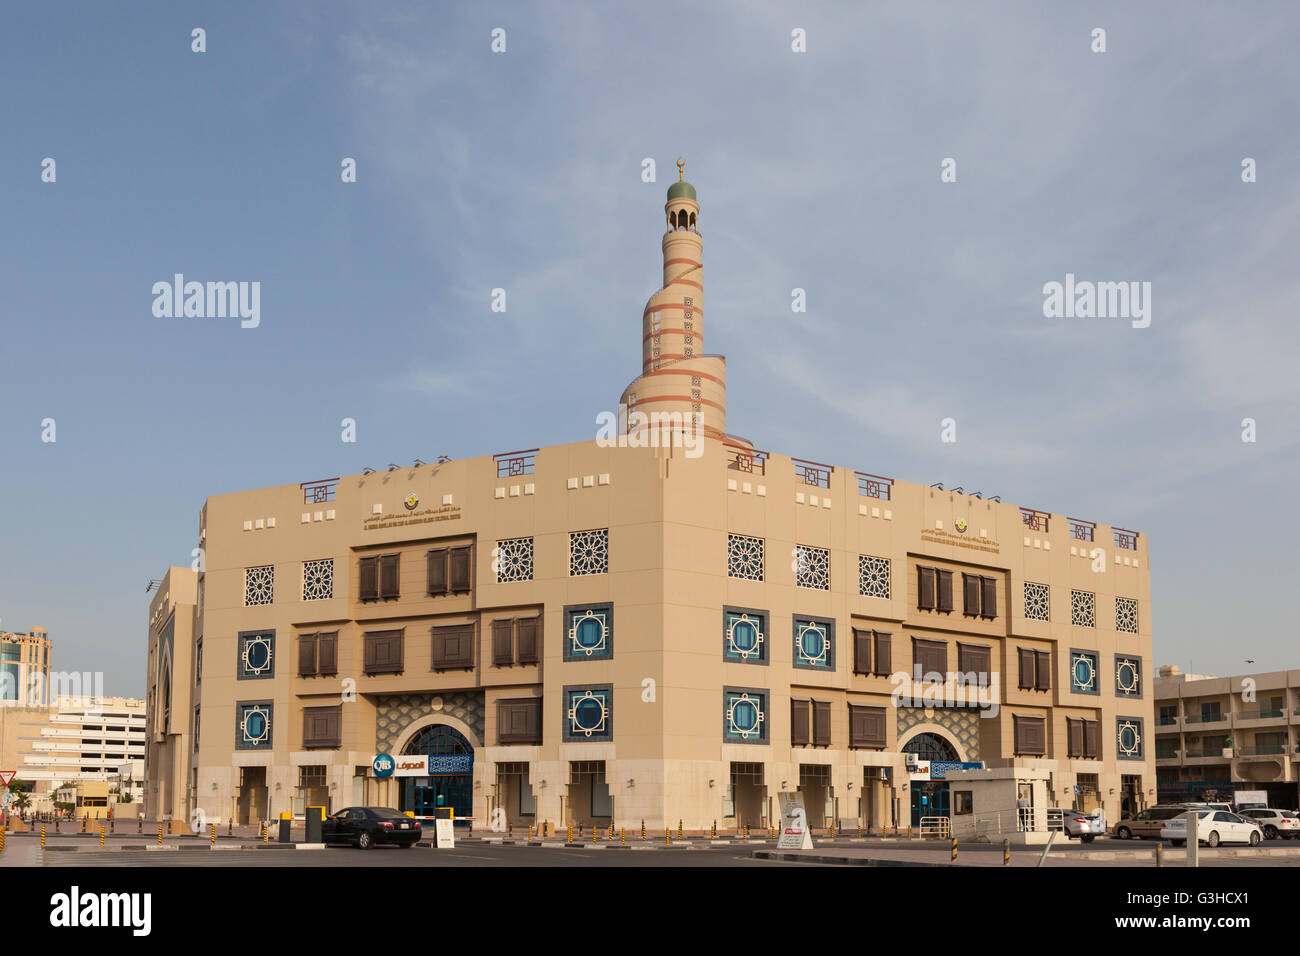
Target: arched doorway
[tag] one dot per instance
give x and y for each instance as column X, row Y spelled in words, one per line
column 930, row 798
column 450, row 783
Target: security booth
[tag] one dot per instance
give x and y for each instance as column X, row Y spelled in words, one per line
column 1004, row 803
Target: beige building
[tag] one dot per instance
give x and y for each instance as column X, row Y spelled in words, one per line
column 24, row 668
column 1217, row 735
column 635, row 629
column 77, row 739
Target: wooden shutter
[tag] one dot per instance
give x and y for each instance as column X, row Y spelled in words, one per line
column 944, row 600
column 821, row 712
column 866, row 727
column 884, row 654
column 799, row 723
column 383, row 652
column 970, row 585
column 528, row 639
column 519, row 721
column 369, row 582
column 861, row 651
column 930, row 656
column 438, row 571
column 925, row 589
column 1075, row 728
column 327, row 654
column 502, row 644
column 1043, row 670
column 460, row 565
column 989, row 587
column 321, row 727
column 1091, row 738
column 388, row 575
column 453, row 646
column 1026, row 668
column 973, row 658
column 1029, row 736
column 307, row 655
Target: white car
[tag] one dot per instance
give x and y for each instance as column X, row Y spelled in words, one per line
column 1086, row 826
column 1276, row 823
column 1213, row 827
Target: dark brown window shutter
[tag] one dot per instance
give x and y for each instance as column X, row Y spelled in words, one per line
column 799, row 723
column 460, row 569
column 866, row 727
column 438, row 571
column 327, row 654
column 884, row 654
column 322, row 727
column 1029, row 736
column 944, row 600
column 1026, row 668
column 1043, row 672
column 970, row 585
column 925, row 589
column 368, row 587
column 1076, row 736
column 383, row 652
column 503, row 654
column 1091, row 736
column 519, row 721
column 930, row 656
column 861, row 651
column 307, row 655
column 528, row 639
column 388, row 575
column 821, row 723
column 989, row 586
column 974, row 659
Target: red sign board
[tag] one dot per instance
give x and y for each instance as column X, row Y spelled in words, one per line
column 6, row 776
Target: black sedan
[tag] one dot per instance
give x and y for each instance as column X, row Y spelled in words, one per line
column 366, row 827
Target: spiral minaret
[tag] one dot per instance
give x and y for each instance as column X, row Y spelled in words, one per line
column 676, row 376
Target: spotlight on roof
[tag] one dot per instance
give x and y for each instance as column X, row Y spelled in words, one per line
column 442, row 459
column 419, row 462
column 958, row 490
column 367, row 471
column 997, row 498
column 392, row 467
column 153, row 583
column 938, row 484
column 976, row 494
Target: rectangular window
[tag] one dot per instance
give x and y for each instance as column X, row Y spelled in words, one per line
column 974, row 658
column 988, row 598
column 383, row 652
column 963, row 802
column 516, row 641
column 821, row 713
column 368, row 579
column 970, row 586
column 931, row 657
column 866, row 727
column 388, row 576
column 448, row 570
column 862, row 644
column 307, row 655
column 943, row 603
column 1037, row 602
column 439, row 582
column 1035, row 669
column 519, row 721
column 322, row 727
column 453, row 647
column 873, row 576
column 503, row 651
column 745, row 635
column 884, row 662
column 1043, row 670
column 744, row 557
column 800, row 722
column 925, row 589
column 327, row 654
column 1083, row 738
column 529, row 644
column 1030, row 736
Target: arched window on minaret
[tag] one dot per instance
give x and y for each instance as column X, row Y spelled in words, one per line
column 693, row 229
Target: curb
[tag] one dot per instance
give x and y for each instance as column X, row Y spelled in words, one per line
column 839, row 860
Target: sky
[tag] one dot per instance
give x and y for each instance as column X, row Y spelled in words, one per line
column 523, row 170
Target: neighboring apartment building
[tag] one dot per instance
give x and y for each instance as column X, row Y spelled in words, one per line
column 24, row 668
column 78, row 739
column 594, row 634
column 1215, row 735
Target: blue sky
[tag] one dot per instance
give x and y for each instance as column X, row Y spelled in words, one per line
column 522, row 170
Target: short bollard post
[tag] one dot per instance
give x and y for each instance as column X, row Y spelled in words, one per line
column 714, row 832
column 83, row 824
column 569, row 839
column 530, row 833
column 954, row 849
column 1159, row 857
column 42, row 834
column 265, row 833
column 101, row 834
column 642, row 831
column 611, row 833
column 160, row 826
column 909, row 831
column 679, row 828
column 139, row 824
column 2, row 839
column 859, row 829
column 212, row 831
column 1006, row 852
column 595, row 834
column 230, row 826
column 667, row 837
column 746, row 831
column 622, row 836
column 112, row 824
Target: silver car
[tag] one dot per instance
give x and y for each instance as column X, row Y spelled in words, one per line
column 1086, row 826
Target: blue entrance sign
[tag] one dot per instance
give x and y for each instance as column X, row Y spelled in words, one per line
column 939, row 768
column 442, row 764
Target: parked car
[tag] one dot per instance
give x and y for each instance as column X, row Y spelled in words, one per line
column 1212, row 828
column 1146, row 824
column 1276, row 823
column 366, row 827
column 1085, row 826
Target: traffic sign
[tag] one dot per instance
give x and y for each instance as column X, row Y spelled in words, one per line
column 6, row 776
column 6, row 799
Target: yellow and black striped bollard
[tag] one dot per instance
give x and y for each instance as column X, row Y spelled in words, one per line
column 101, row 834
column 160, row 829
column 622, row 836
column 954, row 849
column 667, row 837
column 642, row 831
column 569, row 839
column 42, row 834
column 1006, row 852
column 212, row 834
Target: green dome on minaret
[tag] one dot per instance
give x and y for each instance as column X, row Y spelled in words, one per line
column 680, row 189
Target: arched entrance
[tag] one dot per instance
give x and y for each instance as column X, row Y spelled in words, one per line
column 930, row 798
column 450, row 783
